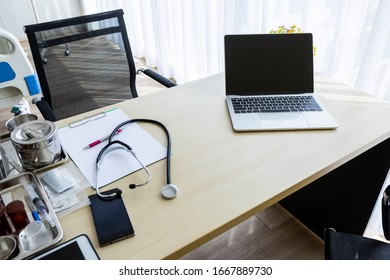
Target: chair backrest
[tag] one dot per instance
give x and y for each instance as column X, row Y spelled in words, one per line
column 83, row 63
column 346, row 246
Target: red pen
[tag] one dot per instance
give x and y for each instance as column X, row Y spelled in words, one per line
column 97, row 142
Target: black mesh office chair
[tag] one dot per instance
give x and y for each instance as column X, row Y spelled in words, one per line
column 84, row 63
column 346, row 246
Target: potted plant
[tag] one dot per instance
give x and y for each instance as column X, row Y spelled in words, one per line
column 292, row 29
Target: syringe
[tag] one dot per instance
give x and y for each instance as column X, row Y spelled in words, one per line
column 36, row 200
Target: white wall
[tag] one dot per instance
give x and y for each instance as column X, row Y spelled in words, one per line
column 14, row 14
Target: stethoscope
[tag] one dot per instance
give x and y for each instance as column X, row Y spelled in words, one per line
column 168, row 191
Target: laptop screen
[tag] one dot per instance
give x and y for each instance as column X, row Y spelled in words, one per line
column 260, row 64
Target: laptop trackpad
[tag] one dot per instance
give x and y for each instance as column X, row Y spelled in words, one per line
column 283, row 120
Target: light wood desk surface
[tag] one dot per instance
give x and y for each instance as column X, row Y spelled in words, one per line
column 225, row 177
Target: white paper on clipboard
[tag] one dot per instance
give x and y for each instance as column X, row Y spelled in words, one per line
column 115, row 164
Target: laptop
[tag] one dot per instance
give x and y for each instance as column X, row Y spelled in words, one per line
column 270, row 82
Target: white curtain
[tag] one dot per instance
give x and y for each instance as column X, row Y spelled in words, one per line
column 184, row 38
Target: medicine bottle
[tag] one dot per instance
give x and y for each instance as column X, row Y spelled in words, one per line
column 4, row 226
column 17, row 214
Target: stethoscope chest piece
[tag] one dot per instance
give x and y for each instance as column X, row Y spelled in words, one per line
column 169, row 191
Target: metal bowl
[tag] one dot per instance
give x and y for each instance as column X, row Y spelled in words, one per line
column 18, row 120
column 8, row 247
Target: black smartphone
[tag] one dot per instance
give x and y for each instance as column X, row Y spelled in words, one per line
column 111, row 219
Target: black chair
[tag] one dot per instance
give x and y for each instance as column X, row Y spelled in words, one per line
column 346, row 246
column 84, row 63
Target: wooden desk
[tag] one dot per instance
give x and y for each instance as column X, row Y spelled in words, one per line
column 225, row 177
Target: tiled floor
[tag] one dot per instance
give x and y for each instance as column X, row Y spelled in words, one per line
column 272, row 234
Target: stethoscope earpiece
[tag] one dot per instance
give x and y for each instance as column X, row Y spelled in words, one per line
column 118, row 193
column 169, row 191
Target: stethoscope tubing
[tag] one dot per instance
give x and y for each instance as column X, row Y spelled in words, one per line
column 114, row 132
column 129, row 149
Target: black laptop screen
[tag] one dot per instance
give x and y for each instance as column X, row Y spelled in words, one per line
column 257, row 64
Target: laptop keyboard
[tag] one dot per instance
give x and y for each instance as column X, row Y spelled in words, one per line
column 269, row 104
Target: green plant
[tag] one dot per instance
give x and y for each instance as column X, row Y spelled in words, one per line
column 284, row 30
column 292, row 29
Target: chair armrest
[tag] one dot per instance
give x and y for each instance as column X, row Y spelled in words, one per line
column 157, row 77
column 45, row 109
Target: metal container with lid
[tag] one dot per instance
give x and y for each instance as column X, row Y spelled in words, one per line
column 37, row 144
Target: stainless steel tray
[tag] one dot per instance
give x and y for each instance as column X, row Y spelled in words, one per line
column 11, row 189
column 14, row 163
column 64, row 158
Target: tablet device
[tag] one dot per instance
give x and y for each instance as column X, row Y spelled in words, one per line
column 78, row 248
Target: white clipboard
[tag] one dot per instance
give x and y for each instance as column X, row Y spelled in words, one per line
column 116, row 164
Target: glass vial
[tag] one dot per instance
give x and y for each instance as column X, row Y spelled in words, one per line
column 4, row 226
column 17, row 214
